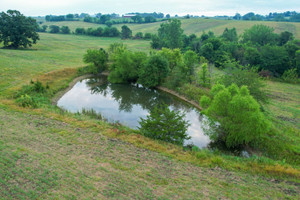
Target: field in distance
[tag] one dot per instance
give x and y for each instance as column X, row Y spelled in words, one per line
column 196, row 26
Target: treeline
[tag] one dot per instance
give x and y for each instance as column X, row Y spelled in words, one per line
column 154, row 14
column 259, row 47
column 125, row 33
column 288, row 16
column 108, row 19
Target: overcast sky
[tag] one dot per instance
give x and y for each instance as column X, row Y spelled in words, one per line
column 180, row 7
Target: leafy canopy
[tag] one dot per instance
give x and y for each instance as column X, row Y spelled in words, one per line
column 154, row 71
column 165, row 124
column 16, row 30
column 98, row 58
column 235, row 116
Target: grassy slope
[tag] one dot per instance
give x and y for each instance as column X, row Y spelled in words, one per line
column 53, row 52
column 51, row 159
column 196, row 26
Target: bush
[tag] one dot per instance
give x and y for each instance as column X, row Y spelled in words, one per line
column 80, row 31
column 234, row 116
column 65, row 30
column 290, row 76
column 54, row 29
column 166, row 125
column 27, row 101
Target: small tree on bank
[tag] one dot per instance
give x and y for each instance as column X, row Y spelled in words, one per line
column 98, row 58
column 166, row 125
column 235, row 116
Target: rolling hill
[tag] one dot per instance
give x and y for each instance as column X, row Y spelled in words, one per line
column 196, row 26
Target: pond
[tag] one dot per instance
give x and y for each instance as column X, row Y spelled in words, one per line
column 127, row 103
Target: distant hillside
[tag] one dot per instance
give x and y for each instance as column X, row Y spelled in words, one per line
column 196, row 26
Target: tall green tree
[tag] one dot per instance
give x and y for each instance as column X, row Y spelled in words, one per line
column 260, row 35
column 125, row 65
column 154, row 71
column 171, row 34
column 16, row 30
column 126, row 32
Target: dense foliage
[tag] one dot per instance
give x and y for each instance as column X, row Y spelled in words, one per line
column 16, row 30
column 258, row 47
column 165, row 124
column 234, row 115
column 98, row 58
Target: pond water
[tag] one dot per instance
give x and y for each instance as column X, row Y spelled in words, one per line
column 127, row 103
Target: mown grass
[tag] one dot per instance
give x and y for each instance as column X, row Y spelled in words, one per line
column 196, row 26
column 57, row 160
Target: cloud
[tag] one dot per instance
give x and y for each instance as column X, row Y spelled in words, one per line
column 212, row 7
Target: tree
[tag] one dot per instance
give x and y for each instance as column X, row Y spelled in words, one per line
column 154, row 71
column 16, row 30
column 274, row 59
column 168, row 16
column 171, row 34
column 284, row 37
column 125, row 65
column 138, row 35
column 149, row 19
column 54, row 29
column 126, row 32
column 80, row 31
column 260, row 35
column 240, row 76
column 70, row 16
column 234, row 115
column 190, row 59
column 204, row 76
column 165, row 124
column 98, row 58
column 230, row 35
column 65, row 30
column 137, row 19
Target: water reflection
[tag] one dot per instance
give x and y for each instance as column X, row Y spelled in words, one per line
column 127, row 103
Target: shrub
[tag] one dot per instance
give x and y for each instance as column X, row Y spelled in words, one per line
column 80, row 31
column 234, row 116
column 54, row 29
column 166, row 125
column 290, row 75
column 27, row 101
column 65, row 30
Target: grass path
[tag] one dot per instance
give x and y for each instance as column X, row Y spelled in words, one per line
column 44, row 158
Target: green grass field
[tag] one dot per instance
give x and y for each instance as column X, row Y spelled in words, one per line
column 53, row 52
column 196, row 26
column 47, row 154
